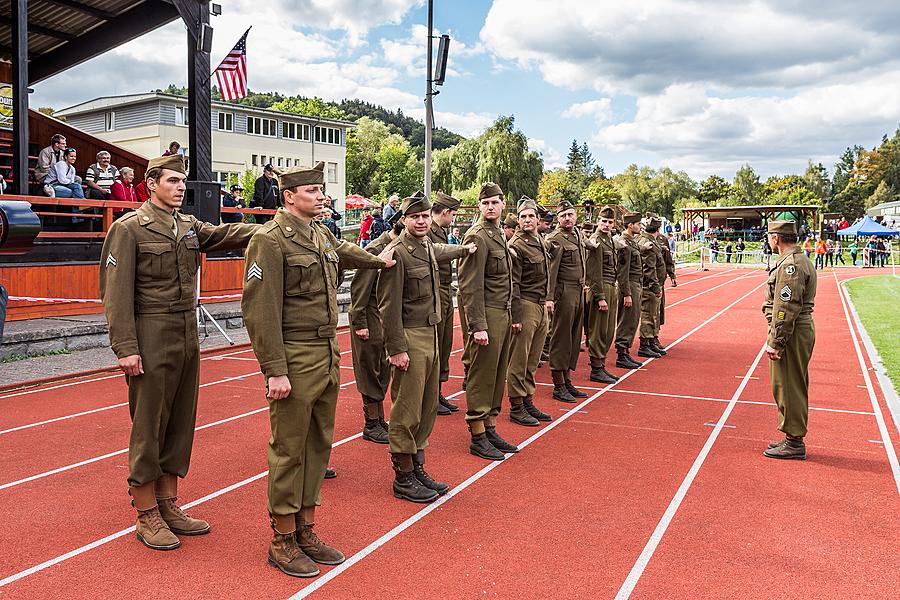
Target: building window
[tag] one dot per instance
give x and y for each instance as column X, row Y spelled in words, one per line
column 260, row 126
column 254, row 160
column 332, row 172
column 226, row 121
column 295, row 131
column 296, row 162
column 280, row 162
column 223, row 176
column 328, row 135
column 181, row 115
column 110, row 121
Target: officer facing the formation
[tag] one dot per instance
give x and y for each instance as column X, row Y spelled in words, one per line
column 667, row 269
column 790, row 294
column 370, row 364
column 290, row 307
column 148, row 283
column 567, row 285
column 442, row 214
column 653, row 265
column 485, row 287
column 603, row 280
column 630, row 293
column 530, row 315
column 410, row 302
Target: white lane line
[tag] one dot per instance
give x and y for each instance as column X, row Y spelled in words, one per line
column 638, row 569
column 706, row 291
column 425, row 511
column 702, row 278
column 876, row 407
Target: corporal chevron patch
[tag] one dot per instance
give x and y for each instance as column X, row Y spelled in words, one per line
column 254, row 271
column 111, row 260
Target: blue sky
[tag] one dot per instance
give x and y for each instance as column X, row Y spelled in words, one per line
column 697, row 85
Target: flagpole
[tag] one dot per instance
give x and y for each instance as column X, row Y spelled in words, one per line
column 429, row 115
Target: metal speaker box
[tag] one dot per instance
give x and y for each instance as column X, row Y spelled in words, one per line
column 203, row 200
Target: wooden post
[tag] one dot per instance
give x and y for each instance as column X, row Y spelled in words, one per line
column 19, row 45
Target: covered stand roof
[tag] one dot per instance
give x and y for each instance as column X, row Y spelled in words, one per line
column 867, row 226
column 758, row 211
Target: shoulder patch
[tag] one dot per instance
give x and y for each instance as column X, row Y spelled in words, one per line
column 786, row 294
column 790, row 269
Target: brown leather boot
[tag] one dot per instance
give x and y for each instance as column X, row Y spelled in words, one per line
column 518, row 414
column 790, row 449
column 153, row 532
column 315, row 548
column 560, row 391
column 175, row 518
column 373, row 430
column 534, row 411
column 424, row 478
column 574, row 391
column 406, row 485
column 284, row 553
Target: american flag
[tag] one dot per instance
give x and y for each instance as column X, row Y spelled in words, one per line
column 232, row 73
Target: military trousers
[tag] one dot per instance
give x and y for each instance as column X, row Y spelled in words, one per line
column 662, row 312
column 370, row 364
column 790, row 380
column 414, row 392
column 487, row 366
column 565, row 335
column 445, row 331
column 163, row 401
column 525, row 350
column 629, row 317
column 649, row 314
column 464, row 326
column 602, row 323
column 303, row 426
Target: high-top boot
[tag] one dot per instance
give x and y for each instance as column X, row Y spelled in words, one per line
column 442, row 410
column 576, row 393
column 313, row 547
column 442, row 400
column 599, row 374
column 560, row 391
column 518, row 414
column 480, row 446
column 625, row 361
column 284, row 553
column 180, row 523
column 330, row 473
column 646, row 350
column 151, row 529
column 424, row 478
column 384, row 424
column 792, row 448
column 534, row 411
column 406, row 485
column 498, row 442
column 657, row 347
column 373, row 431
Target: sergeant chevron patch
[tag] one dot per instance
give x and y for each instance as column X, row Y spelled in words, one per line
column 111, row 260
column 254, row 271
column 786, row 294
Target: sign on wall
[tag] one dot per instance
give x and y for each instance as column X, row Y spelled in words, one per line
column 6, row 106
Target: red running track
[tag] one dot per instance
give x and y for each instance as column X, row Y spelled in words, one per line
column 652, row 488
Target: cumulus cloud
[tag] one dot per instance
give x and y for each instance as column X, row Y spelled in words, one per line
column 599, row 110
column 552, row 158
column 408, row 54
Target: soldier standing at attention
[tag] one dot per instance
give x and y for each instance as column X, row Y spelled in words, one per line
column 370, row 364
column 788, row 308
column 442, row 214
column 531, row 310
column 410, row 301
column 510, row 223
column 148, row 283
column 629, row 293
column 545, row 220
column 652, row 261
column 567, row 285
column 668, row 270
column 485, row 285
column 290, row 307
column 602, row 277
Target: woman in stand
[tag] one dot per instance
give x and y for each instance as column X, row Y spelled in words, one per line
column 123, row 189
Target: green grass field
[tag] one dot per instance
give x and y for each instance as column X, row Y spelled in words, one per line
column 875, row 299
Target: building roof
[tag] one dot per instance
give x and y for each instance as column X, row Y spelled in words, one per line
column 884, row 206
column 752, row 211
column 105, row 103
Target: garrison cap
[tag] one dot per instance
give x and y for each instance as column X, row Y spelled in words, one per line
column 173, row 162
column 302, row 176
column 652, row 221
column 415, row 204
column 527, row 203
column 446, row 201
column 607, row 212
column 548, row 216
column 587, row 226
column 632, row 218
column 564, row 205
column 782, row 227
column 489, row 190
column 511, row 221
column 542, row 212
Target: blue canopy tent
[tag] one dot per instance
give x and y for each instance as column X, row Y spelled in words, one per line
column 867, row 226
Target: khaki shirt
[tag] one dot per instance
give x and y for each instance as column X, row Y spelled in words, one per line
column 567, row 251
column 485, row 278
column 290, row 285
column 602, row 264
column 363, row 287
column 149, row 264
column 790, row 295
column 652, row 261
column 530, row 274
column 635, row 265
column 623, row 269
column 437, row 235
column 668, row 261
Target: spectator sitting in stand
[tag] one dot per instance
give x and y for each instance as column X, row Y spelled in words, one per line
column 123, row 189
column 364, row 225
column 100, row 177
column 174, row 148
column 66, row 183
column 47, row 158
column 233, row 200
column 141, row 191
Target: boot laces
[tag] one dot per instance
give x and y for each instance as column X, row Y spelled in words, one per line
column 310, row 536
column 175, row 508
column 155, row 520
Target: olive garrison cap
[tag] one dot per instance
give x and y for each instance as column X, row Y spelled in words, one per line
column 446, row 201
column 564, row 205
column 548, row 216
column 542, row 212
column 302, row 176
column 415, row 204
column 782, row 227
column 489, row 190
column 173, row 162
column 511, row 221
column 526, row 203
column 632, row 218
column 587, row 226
column 652, row 221
column 607, row 212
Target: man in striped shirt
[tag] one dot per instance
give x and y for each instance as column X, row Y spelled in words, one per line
column 100, row 177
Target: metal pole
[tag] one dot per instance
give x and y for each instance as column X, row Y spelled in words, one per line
column 19, row 45
column 428, row 98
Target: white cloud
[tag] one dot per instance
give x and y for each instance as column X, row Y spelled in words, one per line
column 356, row 17
column 409, row 54
column 552, row 158
column 599, row 110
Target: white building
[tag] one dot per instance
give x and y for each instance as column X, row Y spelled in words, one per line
column 243, row 137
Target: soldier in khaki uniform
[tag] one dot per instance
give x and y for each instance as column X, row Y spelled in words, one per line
column 148, row 281
column 602, row 270
column 790, row 295
column 567, row 285
column 668, row 264
column 510, row 224
column 654, row 280
column 629, row 296
column 545, row 221
column 485, row 286
column 410, row 302
column 442, row 214
column 370, row 364
column 531, row 308
column 290, row 307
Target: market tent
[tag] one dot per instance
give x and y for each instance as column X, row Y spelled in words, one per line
column 867, row 226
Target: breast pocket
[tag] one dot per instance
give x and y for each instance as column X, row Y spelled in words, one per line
column 568, row 257
column 534, row 264
column 191, row 252
column 496, row 263
column 418, row 283
column 303, row 275
column 156, row 259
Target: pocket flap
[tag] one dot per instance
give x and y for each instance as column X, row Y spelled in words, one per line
column 154, row 247
column 498, row 253
column 418, row 272
column 301, row 260
column 192, row 242
column 535, row 258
